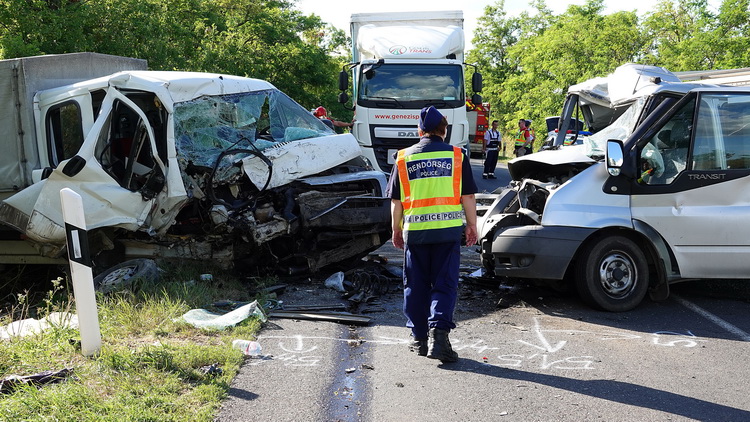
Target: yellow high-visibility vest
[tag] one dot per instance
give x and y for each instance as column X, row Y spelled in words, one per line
column 521, row 137
column 431, row 189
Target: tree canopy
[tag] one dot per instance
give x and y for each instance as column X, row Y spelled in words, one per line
column 264, row 39
column 530, row 60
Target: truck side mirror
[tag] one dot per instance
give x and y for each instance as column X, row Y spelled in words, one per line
column 343, row 98
column 615, row 157
column 476, row 82
column 343, row 81
column 476, row 99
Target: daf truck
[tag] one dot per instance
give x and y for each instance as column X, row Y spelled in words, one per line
column 402, row 62
column 182, row 165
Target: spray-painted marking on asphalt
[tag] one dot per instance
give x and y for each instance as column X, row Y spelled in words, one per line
column 301, row 350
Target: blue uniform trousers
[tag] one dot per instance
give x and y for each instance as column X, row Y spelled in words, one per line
column 430, row 286
column 490, row 162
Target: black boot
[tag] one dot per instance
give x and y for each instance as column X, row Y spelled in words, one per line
column 440, row 346
column 419, row 347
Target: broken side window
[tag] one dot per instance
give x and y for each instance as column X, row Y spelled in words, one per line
column 124, row 149
column 209, row 125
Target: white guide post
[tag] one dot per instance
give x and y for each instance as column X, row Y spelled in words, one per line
column 80, row 271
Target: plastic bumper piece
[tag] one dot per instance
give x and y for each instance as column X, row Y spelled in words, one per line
column 537, row 252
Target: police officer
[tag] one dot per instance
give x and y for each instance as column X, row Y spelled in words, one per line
column 492, row 143
column 431, row 186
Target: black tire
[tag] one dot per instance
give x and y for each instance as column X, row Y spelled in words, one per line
column 612, row 274
column 123, row 275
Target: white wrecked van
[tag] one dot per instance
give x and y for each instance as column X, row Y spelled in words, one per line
column 654, row 198
column 185, row 165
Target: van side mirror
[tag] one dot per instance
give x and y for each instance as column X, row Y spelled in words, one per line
column 476, row 82
column 615, row 157
column 343, row 97
column 74, row 166
column 343, row 80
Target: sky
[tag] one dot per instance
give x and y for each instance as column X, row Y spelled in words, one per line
column 338, row 12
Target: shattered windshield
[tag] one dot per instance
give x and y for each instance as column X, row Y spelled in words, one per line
column 256, row 120
column 619, row 129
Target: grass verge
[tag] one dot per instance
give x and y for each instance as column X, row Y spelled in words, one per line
column 150, row 365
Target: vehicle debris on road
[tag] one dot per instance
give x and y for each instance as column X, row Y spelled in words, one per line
column 11, row 382
column 202, row 318
column 31, row 326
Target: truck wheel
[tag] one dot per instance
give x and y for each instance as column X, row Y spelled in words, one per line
column 612, row 274
column 123, row 275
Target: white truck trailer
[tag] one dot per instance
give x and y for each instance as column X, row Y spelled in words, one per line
column 402, row 62
column 178, row 165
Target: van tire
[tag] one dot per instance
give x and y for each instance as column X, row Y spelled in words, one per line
column 124, row 275
column 612, row 274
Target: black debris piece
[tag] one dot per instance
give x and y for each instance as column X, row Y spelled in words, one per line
column 11, row 382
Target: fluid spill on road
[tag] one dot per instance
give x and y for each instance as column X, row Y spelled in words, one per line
column 350, row 384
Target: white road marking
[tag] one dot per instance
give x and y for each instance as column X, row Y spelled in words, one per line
column 546, row 346
column 713, row 318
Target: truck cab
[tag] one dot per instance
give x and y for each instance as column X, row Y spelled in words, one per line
column 402, row 62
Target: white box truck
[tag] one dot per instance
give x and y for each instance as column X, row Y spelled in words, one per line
column 178, row 165
column 653, row 198
column 402, row 62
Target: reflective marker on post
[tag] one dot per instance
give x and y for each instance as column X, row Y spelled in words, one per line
column 80, row 271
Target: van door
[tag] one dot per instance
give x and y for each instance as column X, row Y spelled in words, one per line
column 117, row 172
column 694, row 184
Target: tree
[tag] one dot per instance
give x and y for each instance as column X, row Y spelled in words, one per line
column 732, row 35
column 682, row 35
column 495, row 34
column 265, row 39
column 531, row 60
column 566, row 53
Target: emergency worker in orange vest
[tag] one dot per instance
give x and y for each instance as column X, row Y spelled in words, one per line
column 523, row 139
column 431, row 187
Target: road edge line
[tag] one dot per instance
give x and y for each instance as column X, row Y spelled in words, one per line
column 713, row 318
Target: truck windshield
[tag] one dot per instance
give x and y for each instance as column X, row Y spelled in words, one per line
column 619, row 129
column 257, row 120
column 411, row 86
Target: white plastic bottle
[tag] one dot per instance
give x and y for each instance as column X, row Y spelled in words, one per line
column 248, row 347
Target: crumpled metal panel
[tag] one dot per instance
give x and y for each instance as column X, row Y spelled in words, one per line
column 299, row 159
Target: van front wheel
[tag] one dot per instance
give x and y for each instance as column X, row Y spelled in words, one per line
column 612, row 274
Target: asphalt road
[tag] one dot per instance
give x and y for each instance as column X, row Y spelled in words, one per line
column 537, row 356
column 526, row 354
column 489, row 185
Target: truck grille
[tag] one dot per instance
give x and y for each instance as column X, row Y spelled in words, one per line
column 381, row 146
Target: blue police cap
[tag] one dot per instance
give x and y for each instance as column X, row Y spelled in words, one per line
column 429, row 118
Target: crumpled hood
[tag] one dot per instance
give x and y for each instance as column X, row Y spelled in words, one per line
column 293, row 160
column 551, row 163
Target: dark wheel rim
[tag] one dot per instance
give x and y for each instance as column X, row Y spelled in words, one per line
column 617, row 275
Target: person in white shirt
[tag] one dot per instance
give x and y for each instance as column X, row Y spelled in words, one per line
column 492, row 139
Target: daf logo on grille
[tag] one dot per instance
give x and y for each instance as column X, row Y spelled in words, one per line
column 409, row 134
